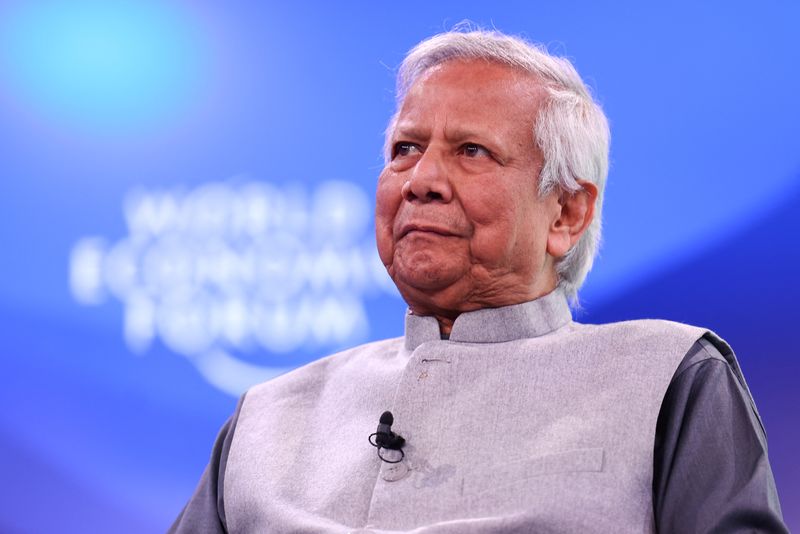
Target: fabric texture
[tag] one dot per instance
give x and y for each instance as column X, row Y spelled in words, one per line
column 522, row 421
column 711, row 470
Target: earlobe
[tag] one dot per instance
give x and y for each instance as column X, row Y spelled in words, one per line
column 577, row 212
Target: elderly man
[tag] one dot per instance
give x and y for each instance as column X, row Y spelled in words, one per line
column 507, row 415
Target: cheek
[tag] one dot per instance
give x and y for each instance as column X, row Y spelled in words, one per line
column 534, row 224
column 494, row 229
column 387, row 202
column 505, row 225
column 493, row 243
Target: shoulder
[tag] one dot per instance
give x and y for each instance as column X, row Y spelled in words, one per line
column 642, row 328
column 710, row 368
column 311, row 378
column 712, row 350
column 645, row 334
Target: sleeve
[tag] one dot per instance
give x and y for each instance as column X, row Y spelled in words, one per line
column 711, row 472
column 205, row 511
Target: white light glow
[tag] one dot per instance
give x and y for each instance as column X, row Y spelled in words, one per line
column 238, row 267
column 85, row 271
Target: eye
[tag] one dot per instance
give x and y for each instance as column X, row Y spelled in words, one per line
column 404, row 148
column 474, row 150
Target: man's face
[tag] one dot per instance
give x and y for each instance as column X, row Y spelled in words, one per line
column 459, row 221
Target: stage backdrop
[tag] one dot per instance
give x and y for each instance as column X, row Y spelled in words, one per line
column 186, row 191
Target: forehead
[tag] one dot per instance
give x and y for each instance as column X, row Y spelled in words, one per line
column 473, row 93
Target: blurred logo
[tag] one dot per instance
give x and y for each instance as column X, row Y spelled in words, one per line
column 228, row 271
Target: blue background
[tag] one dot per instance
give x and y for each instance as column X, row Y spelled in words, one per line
column 99, row 98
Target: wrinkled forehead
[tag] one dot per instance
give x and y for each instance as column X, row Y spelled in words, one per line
column 475, row 75
column 472, row 91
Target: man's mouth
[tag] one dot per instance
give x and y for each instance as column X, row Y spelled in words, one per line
column 424, row 228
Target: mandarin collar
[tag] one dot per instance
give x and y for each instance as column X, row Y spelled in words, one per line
column 494, row 325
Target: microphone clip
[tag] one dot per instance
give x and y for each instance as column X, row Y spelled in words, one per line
column 384, row 438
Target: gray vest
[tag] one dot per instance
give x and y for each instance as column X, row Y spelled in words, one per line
column 523, row 421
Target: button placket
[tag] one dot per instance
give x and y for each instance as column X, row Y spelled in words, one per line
column 426, row 375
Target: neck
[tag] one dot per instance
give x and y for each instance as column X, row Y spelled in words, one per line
column 446, row 314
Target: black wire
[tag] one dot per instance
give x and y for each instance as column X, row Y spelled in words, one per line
column 402, row 455
column 374, row 444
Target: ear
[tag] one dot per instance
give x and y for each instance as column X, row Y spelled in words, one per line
column 577, row 212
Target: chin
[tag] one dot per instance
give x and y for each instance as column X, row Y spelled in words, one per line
column 425, row 281
column 423, row 274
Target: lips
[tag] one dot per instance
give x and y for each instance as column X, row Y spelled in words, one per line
column 424, row 227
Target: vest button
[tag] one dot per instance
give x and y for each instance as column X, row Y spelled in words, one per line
column 394, row 472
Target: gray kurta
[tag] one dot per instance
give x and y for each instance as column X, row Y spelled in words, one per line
column 522, row 421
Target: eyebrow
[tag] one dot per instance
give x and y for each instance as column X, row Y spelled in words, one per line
column 410, row 132
column 452, row 135
column 460, row 135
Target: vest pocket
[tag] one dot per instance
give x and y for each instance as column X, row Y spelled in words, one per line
column 499, row 476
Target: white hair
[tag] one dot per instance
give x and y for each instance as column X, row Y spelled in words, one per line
column 570, row 129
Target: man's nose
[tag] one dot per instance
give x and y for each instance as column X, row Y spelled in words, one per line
column 429, row 180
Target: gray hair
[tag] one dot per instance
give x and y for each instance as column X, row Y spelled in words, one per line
column 570, row 130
